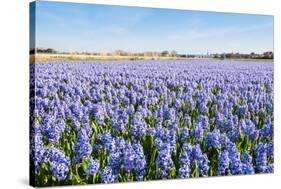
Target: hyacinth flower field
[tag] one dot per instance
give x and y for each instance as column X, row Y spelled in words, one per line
column 123, row 121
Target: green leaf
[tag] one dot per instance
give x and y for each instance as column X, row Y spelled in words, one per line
column 95, row 128
column 195, row 172
column 54, row 179
column 84, row 164
column 94, row 178
column 153, row 156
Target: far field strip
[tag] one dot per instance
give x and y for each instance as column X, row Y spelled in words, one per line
column 48, row 57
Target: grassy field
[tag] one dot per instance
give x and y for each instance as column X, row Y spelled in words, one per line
column 66, row 57
column 40, row 57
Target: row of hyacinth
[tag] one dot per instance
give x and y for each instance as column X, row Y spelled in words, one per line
column 108, row 122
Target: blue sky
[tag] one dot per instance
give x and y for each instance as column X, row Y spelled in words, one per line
column 91, row 27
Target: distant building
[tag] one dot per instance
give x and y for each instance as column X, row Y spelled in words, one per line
column 268, row 55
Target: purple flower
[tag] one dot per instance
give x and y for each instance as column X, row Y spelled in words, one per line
column 198, row 133
column 202, row 121
column 184, row 134
column 212, row 140
column 164, row 162
column 52, row 129
column 36, row 147
column 249, row 128
column 203, row 166
column 128, row 158
column 224, row 141
column 234, row 134
column 184, row 172
column 140, row 163
column 227, row 125
column 107, row 175
column 203, row 107
column 187, row 120
column 184, row 157
column 270, row 148
column 170, row 114
column 247, row 158
column 58, row 161
column 223, row 163
column 248, row 169
column 82, row 147
column 138, row 126
column 196, row 156
column 98, row 113
column 235, row 162
column 108, row 142
column 266, row 131
column 92, row 167
column 261, row 157
column 114, row 159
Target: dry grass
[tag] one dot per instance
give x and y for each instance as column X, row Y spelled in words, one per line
column 83, row 57
column 65, row 57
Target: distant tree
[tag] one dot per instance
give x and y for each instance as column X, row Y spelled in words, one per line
column 41, row 50
column 32, row 51
column 119, row 52
column 174, row 53
column 164, row 53
column 50, row 50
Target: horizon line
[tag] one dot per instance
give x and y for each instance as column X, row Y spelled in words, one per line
column 154, row 51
